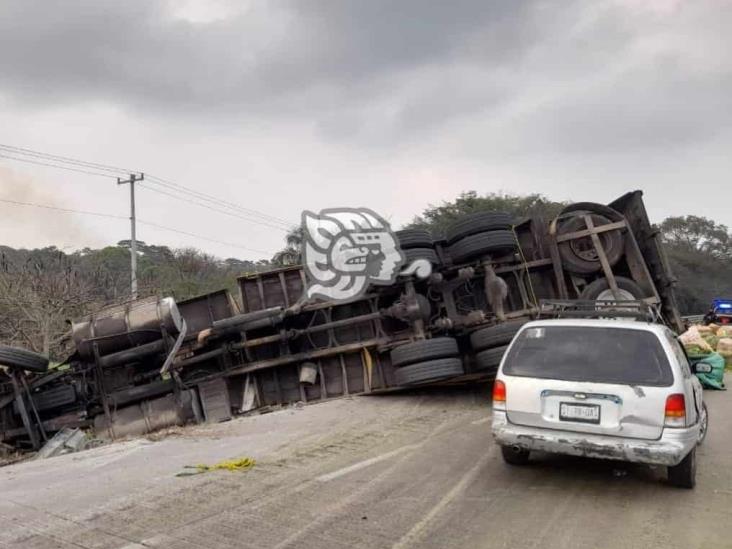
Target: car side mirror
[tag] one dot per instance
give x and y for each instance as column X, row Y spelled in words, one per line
column 702, row 368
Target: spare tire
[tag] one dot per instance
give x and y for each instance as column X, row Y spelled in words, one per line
column 423, row 350
column 600, row 289
column 494, row 242
column 433, row 370
column 479, row 222
column 420, row 253
column 579, row 255
column 490, row 359
column 414, row 238
column 23, row 359
column 493, row 336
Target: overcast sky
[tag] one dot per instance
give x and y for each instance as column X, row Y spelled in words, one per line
column 284, row 105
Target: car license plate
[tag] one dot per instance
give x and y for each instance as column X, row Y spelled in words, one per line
column 584, row 413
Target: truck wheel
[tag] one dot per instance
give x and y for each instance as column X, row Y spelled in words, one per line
column 429, row 254
column 414, row 238
column 432, row 370
column 703, row 423
column 515, row 456
column 683, row 475
column 579, row 255
column 493, row 336
column 479, row 222
column 23, row 359
column 490, row 359
column 600, row 290
column 494, row 242
column 421, row 351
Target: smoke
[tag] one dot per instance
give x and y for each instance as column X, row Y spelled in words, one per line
column 26, row 226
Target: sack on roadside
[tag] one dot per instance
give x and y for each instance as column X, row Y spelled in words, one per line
column 694, row 342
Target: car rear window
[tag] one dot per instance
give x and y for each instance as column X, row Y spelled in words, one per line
column 581, row 353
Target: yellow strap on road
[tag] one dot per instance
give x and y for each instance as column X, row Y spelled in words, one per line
column 240, row 464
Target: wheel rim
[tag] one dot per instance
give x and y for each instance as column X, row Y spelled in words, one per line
column 607, row 295
column 703, row 424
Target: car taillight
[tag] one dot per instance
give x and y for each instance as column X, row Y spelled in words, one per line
column 675, row 411
column 499, row 395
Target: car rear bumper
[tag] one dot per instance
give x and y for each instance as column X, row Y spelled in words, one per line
column 670, row 449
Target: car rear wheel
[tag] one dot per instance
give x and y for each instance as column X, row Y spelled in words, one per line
column 703, row 423
column 683, row 475
column 515, row 456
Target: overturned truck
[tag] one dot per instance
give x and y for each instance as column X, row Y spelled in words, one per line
column 154, row 362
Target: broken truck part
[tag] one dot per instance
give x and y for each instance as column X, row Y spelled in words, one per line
column 155, row 362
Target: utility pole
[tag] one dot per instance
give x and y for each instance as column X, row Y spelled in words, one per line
column 133, row 242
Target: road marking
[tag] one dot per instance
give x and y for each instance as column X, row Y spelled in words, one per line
column 365, row 463
column 468, row 478
column 481, row 421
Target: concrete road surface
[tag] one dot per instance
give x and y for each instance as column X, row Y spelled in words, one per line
column 401, row 471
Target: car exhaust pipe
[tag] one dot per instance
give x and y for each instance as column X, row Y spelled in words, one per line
column 516, row 449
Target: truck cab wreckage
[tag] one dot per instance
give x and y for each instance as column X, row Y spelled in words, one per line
column 156, row 362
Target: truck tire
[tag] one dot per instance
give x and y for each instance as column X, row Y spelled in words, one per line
column 579, row 255
column 490, row 359
column 23, row 359
column 600, row 289
column 420, row 253
column 493, row 336
column 494, row 242
column 479, row 222
column 683, row 475
column 414, row 238
column 432, row 370
column 426, row 349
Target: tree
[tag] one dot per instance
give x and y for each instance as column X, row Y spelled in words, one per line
column 291, row 254
column 697, row 234
column 700, row 255
column 437, row 218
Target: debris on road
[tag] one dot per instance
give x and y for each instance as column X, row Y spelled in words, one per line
column 241, row 464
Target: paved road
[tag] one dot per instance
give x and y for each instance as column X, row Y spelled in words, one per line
column 399, row 471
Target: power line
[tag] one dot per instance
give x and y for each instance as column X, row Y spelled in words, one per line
column 64, row 159
column 65, row 210
column 172, row 185
column 214, row 203
column 56, row 166
column 113, row 216
column 219, row 210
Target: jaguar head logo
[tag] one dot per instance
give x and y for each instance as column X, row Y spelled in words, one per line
column 347, row 249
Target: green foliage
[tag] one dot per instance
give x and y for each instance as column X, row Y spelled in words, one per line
column 700, row 254
column 437, row 218
column 40, row 290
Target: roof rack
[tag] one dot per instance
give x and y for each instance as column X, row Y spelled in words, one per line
column 581, row 308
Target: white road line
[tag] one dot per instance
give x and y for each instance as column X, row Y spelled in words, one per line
column 366, row 463
column 468, row 478
column 481, row 421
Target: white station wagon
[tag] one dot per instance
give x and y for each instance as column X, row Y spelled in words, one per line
column 610, row 389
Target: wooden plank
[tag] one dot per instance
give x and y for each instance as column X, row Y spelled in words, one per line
column 590, row 232
column 603, row 258
column 557, row 265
